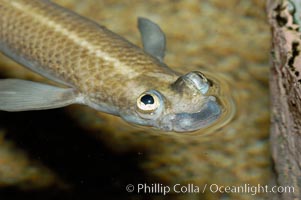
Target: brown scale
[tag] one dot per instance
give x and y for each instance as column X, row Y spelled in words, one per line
column 101, row 66
column 36, row 40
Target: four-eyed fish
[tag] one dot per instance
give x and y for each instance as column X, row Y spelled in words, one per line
column 98, row 68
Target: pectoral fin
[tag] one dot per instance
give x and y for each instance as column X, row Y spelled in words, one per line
column 21, row 95
column 153, row 38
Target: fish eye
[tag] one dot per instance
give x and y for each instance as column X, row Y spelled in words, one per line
column 147, row 99
column 148, row 102
column 199, row 80
column 201, row 75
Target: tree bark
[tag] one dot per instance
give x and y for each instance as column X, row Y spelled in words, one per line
column 285, row 81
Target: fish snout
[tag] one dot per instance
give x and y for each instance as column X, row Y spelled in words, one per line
column 185, row 122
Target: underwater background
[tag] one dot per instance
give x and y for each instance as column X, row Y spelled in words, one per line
column 79, row 153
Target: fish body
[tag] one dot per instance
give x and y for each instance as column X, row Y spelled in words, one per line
column 98, row 68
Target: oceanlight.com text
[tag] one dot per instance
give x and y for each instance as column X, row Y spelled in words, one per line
column 159, row 188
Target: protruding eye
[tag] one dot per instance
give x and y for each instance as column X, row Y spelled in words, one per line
column 199, row 80
column 148, row 102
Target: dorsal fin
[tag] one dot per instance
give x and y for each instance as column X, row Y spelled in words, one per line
column 153, row 38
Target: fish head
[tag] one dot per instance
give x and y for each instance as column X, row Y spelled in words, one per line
column 183, row 105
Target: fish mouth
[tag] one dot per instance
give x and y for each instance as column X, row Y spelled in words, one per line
column 187, row 122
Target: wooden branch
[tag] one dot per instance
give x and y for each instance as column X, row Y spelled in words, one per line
column 285, row 82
